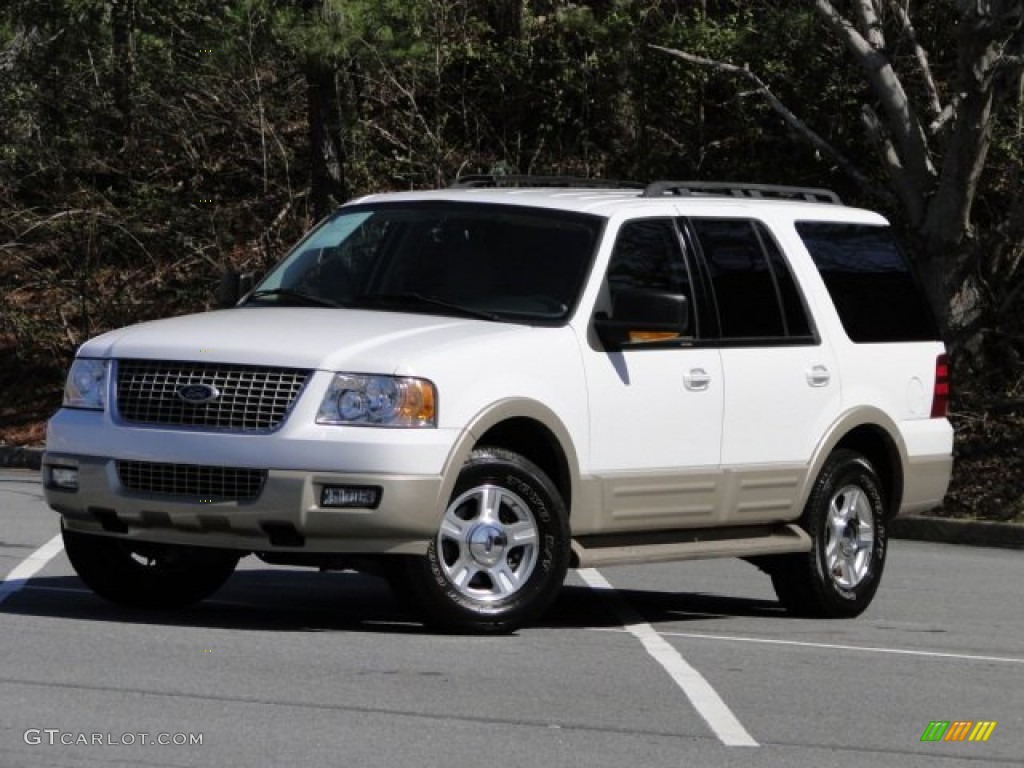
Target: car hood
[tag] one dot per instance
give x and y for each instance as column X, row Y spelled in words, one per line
column 327, row 339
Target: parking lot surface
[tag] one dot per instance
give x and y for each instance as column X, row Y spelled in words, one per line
column 671, row 665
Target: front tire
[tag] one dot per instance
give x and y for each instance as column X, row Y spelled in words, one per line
column 144, row 575
column 846, row 520
column 501, row 551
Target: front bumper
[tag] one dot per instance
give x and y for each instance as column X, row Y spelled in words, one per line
column 299, row 458
column 286, row 516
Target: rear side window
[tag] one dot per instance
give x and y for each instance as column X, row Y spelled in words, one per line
column 872, row 285
column 754, row 290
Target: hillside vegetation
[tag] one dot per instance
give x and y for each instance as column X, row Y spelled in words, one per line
column 147, row 147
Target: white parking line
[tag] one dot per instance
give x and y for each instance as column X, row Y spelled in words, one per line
column 835, row 646
column 30, row 566
column 705, row 700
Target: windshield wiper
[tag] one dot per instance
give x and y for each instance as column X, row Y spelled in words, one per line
column 401, row 301
column 288, row 293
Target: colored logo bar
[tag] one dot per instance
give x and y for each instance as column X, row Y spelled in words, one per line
column 958, row 730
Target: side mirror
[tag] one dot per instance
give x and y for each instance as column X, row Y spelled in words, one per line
column 232, row 287
column 642, row 316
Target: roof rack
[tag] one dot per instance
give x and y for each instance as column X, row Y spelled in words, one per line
column 727, row 188
column 525, row 180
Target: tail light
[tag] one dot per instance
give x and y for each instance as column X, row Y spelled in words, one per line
column 940, row 395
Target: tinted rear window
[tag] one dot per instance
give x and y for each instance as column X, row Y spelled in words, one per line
column 873, row 286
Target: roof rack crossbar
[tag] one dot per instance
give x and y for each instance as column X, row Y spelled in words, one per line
column 726, row 188
column 525, row 180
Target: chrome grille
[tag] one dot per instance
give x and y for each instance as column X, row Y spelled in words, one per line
column 192, row 480
column 250, row 398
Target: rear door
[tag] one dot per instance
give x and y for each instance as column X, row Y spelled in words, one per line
column 781, row 380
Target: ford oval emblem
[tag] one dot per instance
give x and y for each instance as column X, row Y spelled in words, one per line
column 197, row 394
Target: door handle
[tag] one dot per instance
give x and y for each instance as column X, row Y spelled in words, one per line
column 818, row 376
column 697, row 380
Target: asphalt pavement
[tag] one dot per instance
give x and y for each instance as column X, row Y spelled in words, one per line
column 633, row 666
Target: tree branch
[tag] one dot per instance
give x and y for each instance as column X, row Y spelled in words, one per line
column 921, row 55
column 903, row 125
column 870, row 24
column 890, row 157
column 794, row 122
column 947, row 114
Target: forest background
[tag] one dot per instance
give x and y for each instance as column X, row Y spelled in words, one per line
column 147, row 146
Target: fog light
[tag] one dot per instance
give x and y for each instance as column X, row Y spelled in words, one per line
column 65, row 478
column 350, row 496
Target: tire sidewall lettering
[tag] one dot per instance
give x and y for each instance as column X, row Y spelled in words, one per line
column 533, row 499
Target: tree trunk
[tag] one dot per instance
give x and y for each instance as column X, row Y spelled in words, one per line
column 327, row 153
column 122, row 16
column 328, row 187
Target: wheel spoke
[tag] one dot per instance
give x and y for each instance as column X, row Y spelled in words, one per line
column 837, row 511
column 489, row 504
column 851, row 502
column 837, row 516
column 506, row 581
column 831, row 547
column 521, row 533
column 462, row 571
column 865, row 536
column 453, row 528
column 846, row 570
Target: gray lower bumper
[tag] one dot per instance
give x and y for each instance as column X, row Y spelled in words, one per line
column 286, row 516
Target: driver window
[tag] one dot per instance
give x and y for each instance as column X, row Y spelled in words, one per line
column 648, row 255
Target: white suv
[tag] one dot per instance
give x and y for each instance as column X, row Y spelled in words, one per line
column 469, row 391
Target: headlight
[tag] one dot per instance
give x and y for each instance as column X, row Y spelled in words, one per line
column 381, row 401
column 86, row 386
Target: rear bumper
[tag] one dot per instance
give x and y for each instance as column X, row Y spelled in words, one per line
column 929, row 446
column 286, row 516
column 926, row 482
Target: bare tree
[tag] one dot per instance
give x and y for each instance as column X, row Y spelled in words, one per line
column 933, row 144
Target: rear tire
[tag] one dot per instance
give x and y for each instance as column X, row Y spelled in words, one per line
column 502, row 549
column 845, row 518
column 144, row 575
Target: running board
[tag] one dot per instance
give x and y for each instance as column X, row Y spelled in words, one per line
column 659, row 547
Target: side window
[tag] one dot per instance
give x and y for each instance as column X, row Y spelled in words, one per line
column 871, row 283
column 648, row 254
column 754, row 288
column 743, row 282
column 794, row 311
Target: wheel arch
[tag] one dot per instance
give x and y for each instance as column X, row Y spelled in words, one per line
column 876, row 437
column 525, row 427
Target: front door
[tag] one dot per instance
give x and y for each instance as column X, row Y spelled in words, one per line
column 655, row 409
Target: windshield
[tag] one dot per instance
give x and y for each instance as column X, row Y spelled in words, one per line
column 493, row 262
